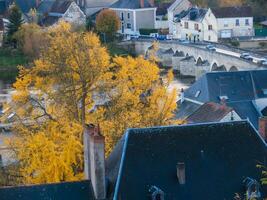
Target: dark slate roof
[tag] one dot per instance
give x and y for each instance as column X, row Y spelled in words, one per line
column 26, row 5
column 186, row 14
column 217, row 157
column 130, row 4
column 230, row 12
column 162, row 8
column 49, row 20
column 1, row 24
column 45, row 6
column 241, row 88
column 60, row 6
column 209, row 112
column 3, row 7
column 185, row 109
column 81, row 190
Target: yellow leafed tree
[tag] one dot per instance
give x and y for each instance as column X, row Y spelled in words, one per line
column 76, row 82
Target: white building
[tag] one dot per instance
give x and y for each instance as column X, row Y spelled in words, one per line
column 234, row 21
column 196, row 24
column 135, row 15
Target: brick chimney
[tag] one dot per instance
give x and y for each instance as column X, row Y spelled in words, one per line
column 142, row 3
column 94, row 158
column 263, row 127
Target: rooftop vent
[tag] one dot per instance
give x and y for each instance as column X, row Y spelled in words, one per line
column 253, row 188
column 156, row 193
column 181, row 172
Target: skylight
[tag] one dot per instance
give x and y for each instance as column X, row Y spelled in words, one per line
column 197, row 93
column 223, row 97
column 264, row 91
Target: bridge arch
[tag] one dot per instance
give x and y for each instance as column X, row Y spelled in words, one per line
column 199, row 60
column 233, row 69
column 214, row 66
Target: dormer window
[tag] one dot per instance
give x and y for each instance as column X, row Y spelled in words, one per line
column 264, row 91
column 223, row 97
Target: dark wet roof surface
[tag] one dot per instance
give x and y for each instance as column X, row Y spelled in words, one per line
column 209, row 112
column 229, row 12
column 217, row 157
column 60, row 6
column 185, row 109
column 241, row 89
column 162, row 8
column 130, row 4
column 81, row 190
column 45, row 6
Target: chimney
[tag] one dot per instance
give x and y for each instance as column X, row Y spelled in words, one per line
column 142, row 3
column 263, row 127
column 152, row 3
column 181, row 172
column 182, row 95
column 89, row 128
column 97, row 162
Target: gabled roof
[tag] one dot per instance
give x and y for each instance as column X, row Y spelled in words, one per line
column 231, row 12
column 60, row 6
column 45, row 6
column 217, row 158
column 162, row 7
column 80, row 190
column 130, row 4
column 209, row 112
column 240, row 88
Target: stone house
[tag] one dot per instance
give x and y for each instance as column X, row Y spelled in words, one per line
column 234, row 21
column 135, row 15
column 67, row 11
column 196, row 24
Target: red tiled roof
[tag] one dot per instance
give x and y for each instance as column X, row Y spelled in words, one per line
column 209, row 112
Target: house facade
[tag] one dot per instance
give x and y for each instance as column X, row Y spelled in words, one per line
column 67, row 11
column 196, row 24
column 234, row 21
column 135, row 15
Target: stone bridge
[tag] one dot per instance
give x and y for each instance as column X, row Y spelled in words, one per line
column 177, row 55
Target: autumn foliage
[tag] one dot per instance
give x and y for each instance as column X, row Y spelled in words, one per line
column 107, row 22
column 75, row 82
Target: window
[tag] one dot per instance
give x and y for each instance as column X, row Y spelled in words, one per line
column 247, row 22
column 237, row 22
column 196, row 27
column 210, row 27
column 122, row 17
column 209, row 38
column 129, row 26
column 225, row 23
column 186, row 25
column 128, row 15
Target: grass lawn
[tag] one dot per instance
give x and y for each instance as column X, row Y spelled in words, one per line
column 9, row 60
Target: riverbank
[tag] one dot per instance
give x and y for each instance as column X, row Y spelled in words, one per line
column 9, row 60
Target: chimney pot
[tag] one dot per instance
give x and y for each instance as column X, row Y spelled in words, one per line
column 181, row 172
column 263, row 127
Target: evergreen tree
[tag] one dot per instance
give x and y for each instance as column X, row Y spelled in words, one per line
column 15, row 21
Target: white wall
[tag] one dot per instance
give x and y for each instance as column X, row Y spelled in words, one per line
column 237, row 31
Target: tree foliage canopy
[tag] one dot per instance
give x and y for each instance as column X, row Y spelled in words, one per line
column 74, row 82
column 15, row 20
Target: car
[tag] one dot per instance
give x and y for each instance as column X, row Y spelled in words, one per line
column 183, row 41
column 246, row 56
column 262, row 62
column 211, row 47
